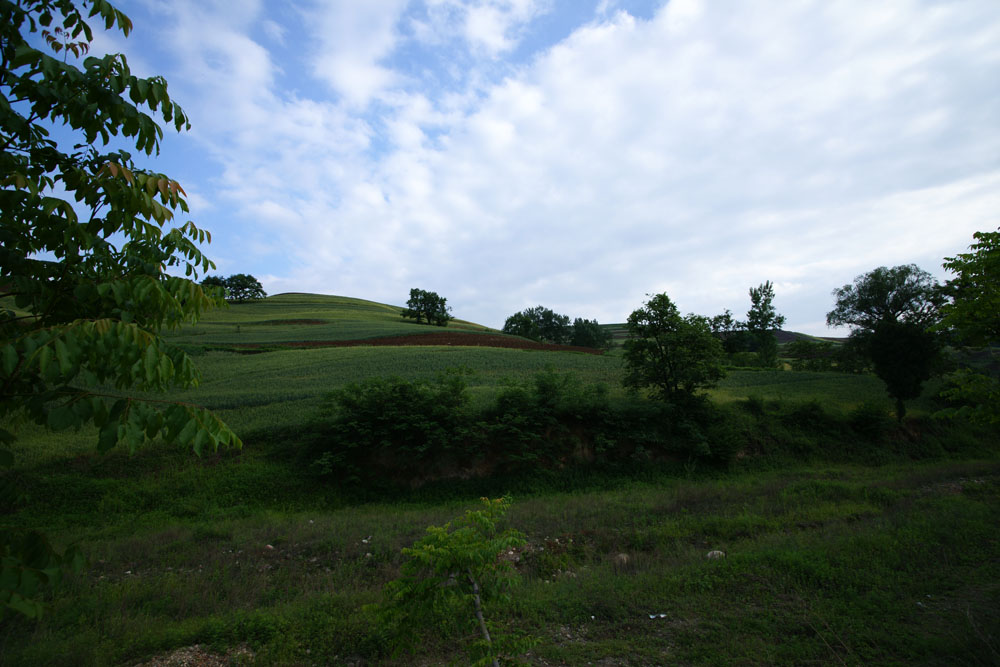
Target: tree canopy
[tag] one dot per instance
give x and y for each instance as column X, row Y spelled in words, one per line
column 974, row 311
column 973, row 316
column 901, row 294
column 428, row 307
column 88, row 263
column 763, row 321
column 238, row 287
column 673, row 355
column 539, row 323
column 891, row 312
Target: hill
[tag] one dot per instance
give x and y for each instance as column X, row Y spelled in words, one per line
column 296, row 319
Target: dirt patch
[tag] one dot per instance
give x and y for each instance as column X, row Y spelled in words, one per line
column 456, row 339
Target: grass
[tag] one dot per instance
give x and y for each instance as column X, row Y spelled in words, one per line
column 824, row 564
column 305, row 317
column 827, row 562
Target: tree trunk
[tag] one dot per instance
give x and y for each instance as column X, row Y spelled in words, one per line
column 479, row 615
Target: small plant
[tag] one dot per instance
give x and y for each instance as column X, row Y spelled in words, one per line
column 448, row 577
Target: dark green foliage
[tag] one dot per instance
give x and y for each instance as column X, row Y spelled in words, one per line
column 973, row 317
column 904, row 356
column 763, row 321
column 539, row 323
column 870, row 421
column 810, row 355
column 428, row 307
column 391, row 426
column 892, row 312
column 903, row 294
column 673, row 356
column 551, row 421
column 588, row 333
column 237, row 288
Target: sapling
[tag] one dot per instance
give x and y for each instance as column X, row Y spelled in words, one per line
column 450, row 576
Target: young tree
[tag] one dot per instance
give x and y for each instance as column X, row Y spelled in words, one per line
column 673, row 355
column 540, row 324
column 427, row 306
column 763, row 321
column 242, row 287
column 889, row 309
column 85, row 254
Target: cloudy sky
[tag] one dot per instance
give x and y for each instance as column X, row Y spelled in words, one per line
column 579, row 154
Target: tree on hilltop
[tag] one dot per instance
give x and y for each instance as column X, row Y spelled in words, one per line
column 427, row 306
column 84, row 255
column 539, row 324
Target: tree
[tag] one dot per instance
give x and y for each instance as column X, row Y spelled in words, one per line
column 427, row 306
column 974, row 311
column 588, row 333
column 673, row 355
column 973, row 315
column 888, row 309
column 902, row 294
column 85, row 254
column 539, row 324
column 448, row 578
column 731, row 332
column 242, row 287
column 904, row 356
column 763, row 321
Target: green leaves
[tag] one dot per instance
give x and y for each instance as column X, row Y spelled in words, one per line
column 454, row 569
column 85, row 253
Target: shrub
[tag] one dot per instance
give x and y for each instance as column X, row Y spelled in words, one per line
column 390, row 425
column 871, row 421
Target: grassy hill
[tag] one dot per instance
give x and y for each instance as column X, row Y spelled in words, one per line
column 250, row 555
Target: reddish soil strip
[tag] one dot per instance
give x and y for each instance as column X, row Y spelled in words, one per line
column 457, row 339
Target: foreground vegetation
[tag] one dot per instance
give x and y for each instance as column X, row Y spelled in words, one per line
column 847, row 539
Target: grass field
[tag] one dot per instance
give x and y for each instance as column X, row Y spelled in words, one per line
column 246, row 554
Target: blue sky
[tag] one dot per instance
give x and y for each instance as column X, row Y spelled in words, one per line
column 579, row 154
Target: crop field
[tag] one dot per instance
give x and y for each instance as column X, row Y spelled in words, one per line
column 254, row 559
column 304, row 317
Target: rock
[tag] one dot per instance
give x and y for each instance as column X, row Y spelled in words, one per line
column 713, row 555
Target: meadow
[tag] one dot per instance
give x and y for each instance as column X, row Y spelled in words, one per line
column 832, row 556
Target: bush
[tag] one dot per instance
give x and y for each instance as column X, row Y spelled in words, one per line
column 388, row 425
column 871, row 421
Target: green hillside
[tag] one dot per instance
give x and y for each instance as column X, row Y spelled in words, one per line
column 306, row 317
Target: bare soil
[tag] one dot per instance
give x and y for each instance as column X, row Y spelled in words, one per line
column 444, row 338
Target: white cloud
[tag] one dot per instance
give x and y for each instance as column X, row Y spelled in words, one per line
column 702, row 152
column 351, row 39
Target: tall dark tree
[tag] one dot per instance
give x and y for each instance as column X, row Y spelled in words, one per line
column 904, row 356
column 891, row 312
column 670, row 354
column 429, row 307
column 763, row 322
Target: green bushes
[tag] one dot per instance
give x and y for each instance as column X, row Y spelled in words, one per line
column 390, row 432
column 399, row 431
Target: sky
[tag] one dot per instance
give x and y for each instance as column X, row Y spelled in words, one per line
column 579, row 154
